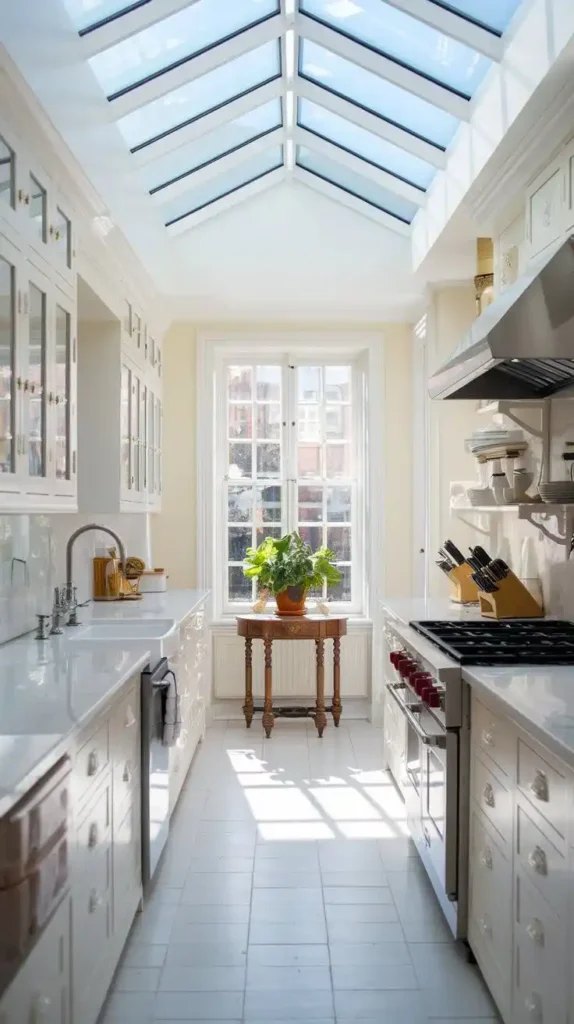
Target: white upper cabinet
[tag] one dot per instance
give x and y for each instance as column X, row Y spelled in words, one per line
column 550, row 202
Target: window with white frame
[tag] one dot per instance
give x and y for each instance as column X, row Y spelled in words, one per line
column 289, row 456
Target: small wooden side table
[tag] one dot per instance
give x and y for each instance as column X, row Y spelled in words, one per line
column 305, row 627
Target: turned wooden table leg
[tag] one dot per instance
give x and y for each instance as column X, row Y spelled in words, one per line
column 248, row 706
column 337, row 708
column 320, row 716
column 268, row 719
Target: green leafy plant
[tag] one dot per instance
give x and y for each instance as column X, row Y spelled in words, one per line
column 290, row 562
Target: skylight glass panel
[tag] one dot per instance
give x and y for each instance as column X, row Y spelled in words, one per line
column 493, row 14
column 213, row 145
column 365, row 144
column 190, row 101
column 174, row 41
column 88, row 13
column 404, row 39
column 376, row 94
column 223, row 184
column 356, row 184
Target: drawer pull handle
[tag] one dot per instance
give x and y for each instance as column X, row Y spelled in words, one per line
column 130, row 717
column 488, row 794
column 41, row 1009
column 537, row 861
column 127, row 776
column 93, row 835
column 93, row 763
column 533, row 1006
column 486, row 925
column 486, row 859
column 539, row 787
column 488, row 736
column 535, row 931
column 95, row 901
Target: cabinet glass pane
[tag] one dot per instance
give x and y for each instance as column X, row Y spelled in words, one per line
column 7, row 175
column 135, row 432
column 7, row 349
column 150, row 442
column 35, row 383
column 158, row 434
column 37, row 208
column 62, row 238
column 143, row 437
column 128, row 317
column 125, row 429
column 62, row 393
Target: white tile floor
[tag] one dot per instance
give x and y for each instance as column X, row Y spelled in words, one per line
column 291, row 891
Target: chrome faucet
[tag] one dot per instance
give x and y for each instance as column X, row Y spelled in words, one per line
column 70, row 588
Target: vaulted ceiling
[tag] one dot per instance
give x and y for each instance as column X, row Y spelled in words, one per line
column 216, row 100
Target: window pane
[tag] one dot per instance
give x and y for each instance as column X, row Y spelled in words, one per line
column 240, row 588
column 190, row 101
column 356, row 184
column 310, row 504
column 338, row 422
column 339, row 542
column 309, row 460
column 37, row 208
column 338, row 460
column 7, row 184
column 222, row 184
column 338, row 504
column 268, row 421
column 263, row 532
column 405, row 39
column 240, row 421
column 376, row 94
column 365, row 144
column 239, row 539
column 240, row 460
column 174, row 40
column 309, row 383
column 268, row 505
column 268, row 383
column 231, row 135
column 239, row 383
column 312, row 535
column 309, row 417
column 338, row 383
column 342, row 591
column 89, row 12
column 493, row 14
column 239, row 503
column 268, row 459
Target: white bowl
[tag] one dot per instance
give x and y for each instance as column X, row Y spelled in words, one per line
column 481, row 496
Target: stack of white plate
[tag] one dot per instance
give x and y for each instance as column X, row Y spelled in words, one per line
column 559, row 492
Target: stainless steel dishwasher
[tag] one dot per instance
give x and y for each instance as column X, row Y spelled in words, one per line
column 156, row 681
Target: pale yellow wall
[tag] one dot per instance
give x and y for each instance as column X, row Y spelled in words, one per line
column 173, row 531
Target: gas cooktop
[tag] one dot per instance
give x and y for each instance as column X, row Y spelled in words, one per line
column 516, row 642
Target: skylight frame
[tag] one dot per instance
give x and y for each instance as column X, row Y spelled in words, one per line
column 227, row 193
column 348, row 199
column 135, row 5
column 446, row 6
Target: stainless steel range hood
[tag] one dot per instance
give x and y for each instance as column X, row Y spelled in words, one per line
column 522, row 346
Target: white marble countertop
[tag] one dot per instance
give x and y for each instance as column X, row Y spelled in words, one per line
column 539, row 699
column 50, row 689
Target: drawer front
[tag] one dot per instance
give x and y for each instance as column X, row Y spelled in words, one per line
column 126, row 750
column 490, row 903
column 495, row 737
column 34, row 824
column 91, row 919
column 541, row 862
column 91, row 762
column 540, row 951
column 494, row 799
column 93, row 841
column 547, row 789
column 41, row 990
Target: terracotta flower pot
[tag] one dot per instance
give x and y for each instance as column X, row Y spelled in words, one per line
column 291, row 601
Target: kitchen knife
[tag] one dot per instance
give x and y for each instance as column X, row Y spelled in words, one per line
column 499, row 568
column 446, row 558
column 481, row 554
column 454, row 553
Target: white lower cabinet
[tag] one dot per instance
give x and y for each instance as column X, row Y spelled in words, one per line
column 191, row 672
column 521, row 871
column 40, row 993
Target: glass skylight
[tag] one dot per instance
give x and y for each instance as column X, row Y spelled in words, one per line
column 356, row 184
column 222, row 184
column 212, row 146
column 376, row 94
column 493, row 14
column 174, row 41
column 404, row 39
column 365, row 144
column 190, row 101
column 88, row 13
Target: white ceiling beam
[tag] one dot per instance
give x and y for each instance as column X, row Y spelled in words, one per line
column 384, row 68
column 289, row 64
column 227, row 202
column 130, row 24
column 197, row 66
column 220, row 166
column 358, row 205
column 208, row 123
column 453, row 25
column 359, row 166
column 372, row 123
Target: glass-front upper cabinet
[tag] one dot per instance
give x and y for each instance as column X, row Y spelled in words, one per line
column 8, row 315
column 60, row 396
column 150, row 442
column 158, row 446
column 135, row 434
column 34, row 379
column 8, row 186
column 125, row 427
column 61, row 242
column 143, row 437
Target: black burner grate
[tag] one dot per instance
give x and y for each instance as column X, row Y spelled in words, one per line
column 516, row 642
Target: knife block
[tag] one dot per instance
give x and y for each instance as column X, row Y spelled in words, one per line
column 463, row 589
column 510, row 601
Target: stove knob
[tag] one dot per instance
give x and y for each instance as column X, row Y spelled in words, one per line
column 393, row 658
column 420, row 681
column 403, row 663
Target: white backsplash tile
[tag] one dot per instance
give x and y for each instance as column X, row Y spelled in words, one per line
column 33, row 557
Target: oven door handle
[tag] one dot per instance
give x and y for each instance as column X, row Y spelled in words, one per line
column 424, row 737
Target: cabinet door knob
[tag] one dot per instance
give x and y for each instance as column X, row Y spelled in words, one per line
column 488, row 794
column 537, row 861
column 535, row 931
column 486, row 925
column 488, row 736
column 539, row 787
column 486, row 859
column 93, row 835
column 130, row 718
column 93, row 762
column 533, row 1005
column 41, row 1009
column 127, row 776
column 95, row 901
